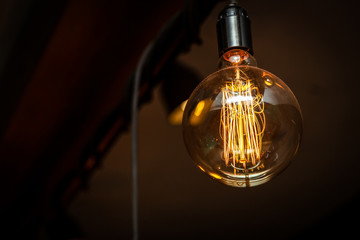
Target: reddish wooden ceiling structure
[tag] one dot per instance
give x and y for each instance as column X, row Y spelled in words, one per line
column 65, row 93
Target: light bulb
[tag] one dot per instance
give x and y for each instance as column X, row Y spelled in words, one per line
column 242, row 125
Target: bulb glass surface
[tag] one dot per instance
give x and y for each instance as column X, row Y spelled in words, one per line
column 242, row 125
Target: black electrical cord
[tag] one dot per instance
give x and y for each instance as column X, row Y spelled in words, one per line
column 142, row 71
column 134, row 141
column 175, row 37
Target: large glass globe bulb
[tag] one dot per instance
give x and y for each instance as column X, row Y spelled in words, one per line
column 242, row 125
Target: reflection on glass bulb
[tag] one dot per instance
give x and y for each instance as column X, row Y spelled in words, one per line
column 242, row 125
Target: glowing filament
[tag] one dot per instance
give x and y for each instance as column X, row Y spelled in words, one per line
column 242, row 122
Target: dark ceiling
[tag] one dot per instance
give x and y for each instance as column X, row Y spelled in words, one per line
column 64, row 70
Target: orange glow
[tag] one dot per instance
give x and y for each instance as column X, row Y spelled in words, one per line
column 215, row 175
column 199, row 108
column 277, row 84
column 236, row 56
column 267, row 74
column 201, row 168
column 242, row 122
column 183, row 105
column 176, row 116
column 268, row 82
column 199, row 113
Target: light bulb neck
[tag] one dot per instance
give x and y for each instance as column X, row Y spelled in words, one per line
column 236, row 57
column 233, row 29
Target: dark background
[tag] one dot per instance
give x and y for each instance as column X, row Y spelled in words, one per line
column 64, row 71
